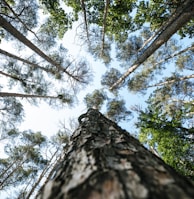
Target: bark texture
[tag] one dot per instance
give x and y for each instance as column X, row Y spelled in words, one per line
column 102, row 161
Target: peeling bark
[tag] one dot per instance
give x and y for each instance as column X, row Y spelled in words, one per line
column 102, row 161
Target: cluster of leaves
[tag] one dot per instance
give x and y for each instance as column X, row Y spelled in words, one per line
column 170, row 131
column 59, row 21
column 115, row 108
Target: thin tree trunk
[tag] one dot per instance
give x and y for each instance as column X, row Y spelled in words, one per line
column 102, row 161
column 172, row 26
column 7, row 169
column 24, row 60
column 6, row 94
column 51, row 173
column 178, row 79
column 107, row 2
column 10, row 174
column 183, row 101
column 8, row 27
column 85, row 19
column 42, row 175
column 174, row 55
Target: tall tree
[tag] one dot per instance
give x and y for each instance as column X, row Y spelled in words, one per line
column 104, row 161
column 30, row 76
column 7, row 26
column 183, row 14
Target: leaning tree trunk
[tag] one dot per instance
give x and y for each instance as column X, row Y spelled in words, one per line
column 102, row 161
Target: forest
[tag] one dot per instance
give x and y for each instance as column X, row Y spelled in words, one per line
column 142, row 49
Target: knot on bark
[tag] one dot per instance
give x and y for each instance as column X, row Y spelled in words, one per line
column 91, row 115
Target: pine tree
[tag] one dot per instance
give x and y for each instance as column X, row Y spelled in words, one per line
column 104, row 161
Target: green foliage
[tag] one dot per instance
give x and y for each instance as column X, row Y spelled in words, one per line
column 157, row 12
column 95, row 99
column 110, row 77
column 115, row 107
column 170, row 133
column 59, row 21
column 11, row 113
column 128, row 50
column 187, row 30
column 30, row 157
column 117, row 111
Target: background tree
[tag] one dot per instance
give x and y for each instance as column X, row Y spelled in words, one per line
column 115, row 107
column 167, row 126
column 30, row 159
column 30, row 76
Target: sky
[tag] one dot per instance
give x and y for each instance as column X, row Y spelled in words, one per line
column 46, row 119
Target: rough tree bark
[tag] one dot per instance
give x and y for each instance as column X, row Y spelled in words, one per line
column 102, row 161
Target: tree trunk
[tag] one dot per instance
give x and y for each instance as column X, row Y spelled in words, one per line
column 102, row 161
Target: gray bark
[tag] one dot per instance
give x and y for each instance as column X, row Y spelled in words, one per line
column 6, row 94
column 102, row 161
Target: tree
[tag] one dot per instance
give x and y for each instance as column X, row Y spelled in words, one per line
column 183, row 15
column 24, row 159
column 30, row 159
column 7, row 26
column 104, row 161
column 39, row 75
column 115, row 107
column 166, row 126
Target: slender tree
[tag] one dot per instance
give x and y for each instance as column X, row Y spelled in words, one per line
column 30, row 159
column 182, row 16
column 7, row 26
